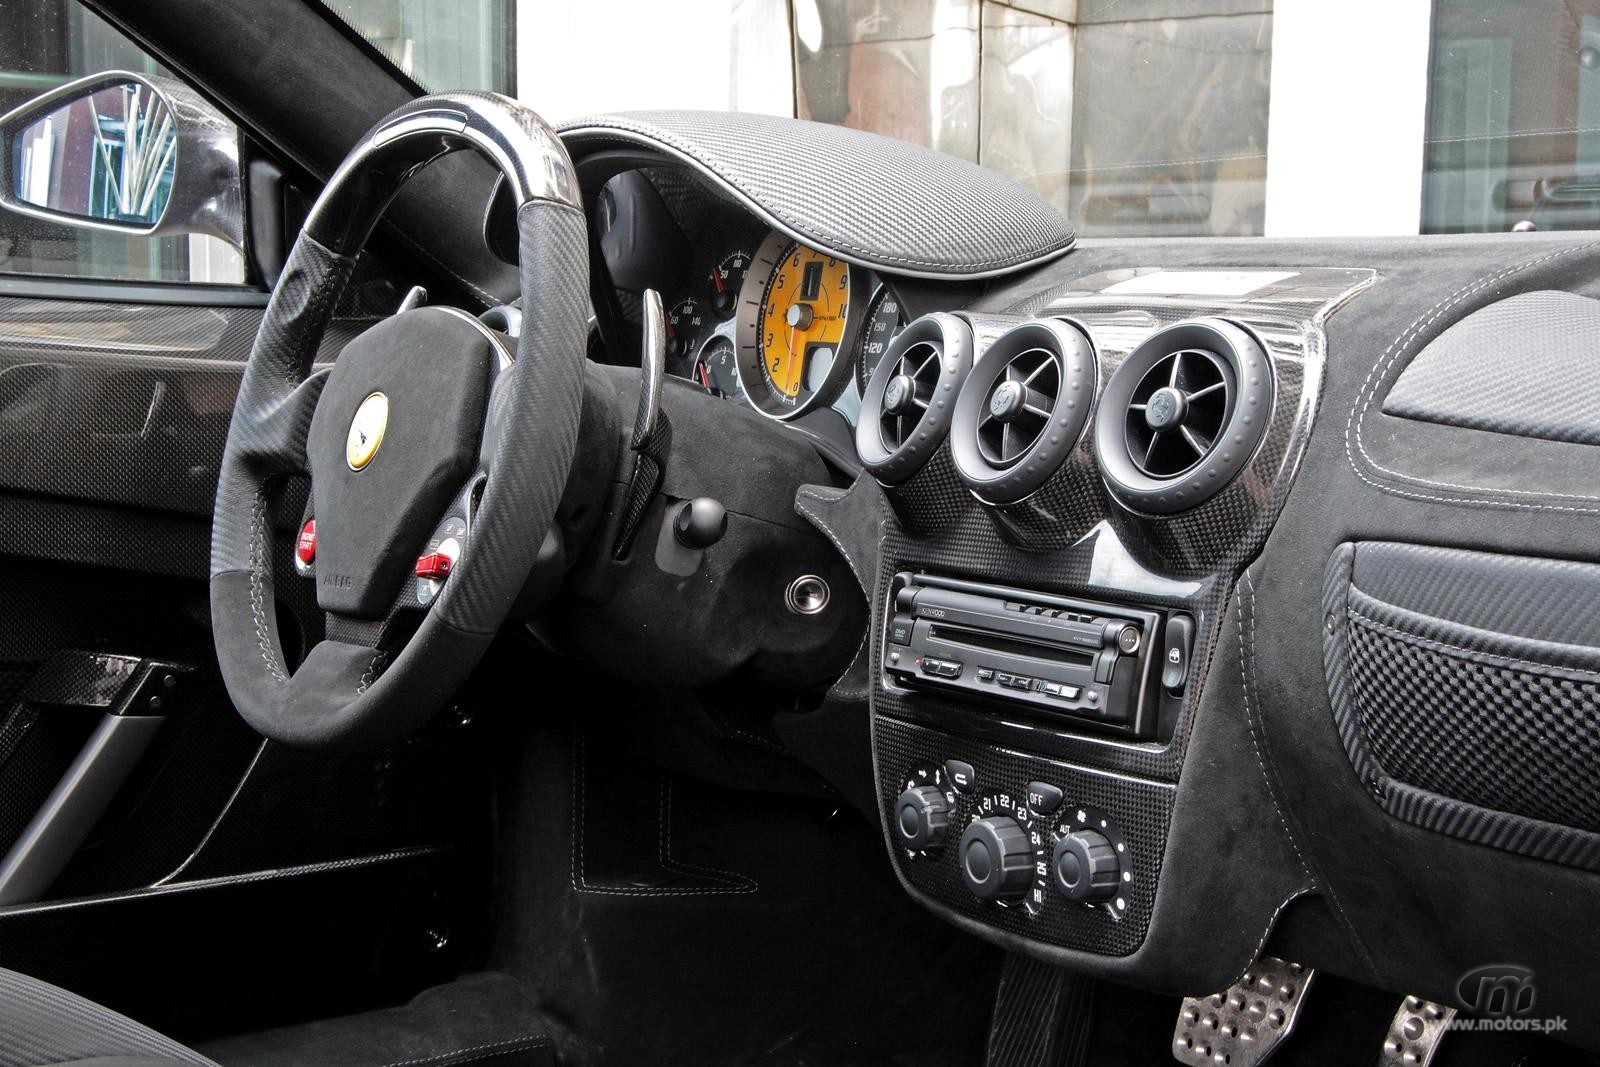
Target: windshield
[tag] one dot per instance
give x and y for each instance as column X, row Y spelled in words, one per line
column 1150, row 118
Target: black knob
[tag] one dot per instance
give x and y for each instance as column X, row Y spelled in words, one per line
column 700, row 523
column 920, row 816
column 1085, row 867
column 996, row 859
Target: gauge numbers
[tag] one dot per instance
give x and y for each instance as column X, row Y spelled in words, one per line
column 716, row 370
column 885, row 319
column 796, row 327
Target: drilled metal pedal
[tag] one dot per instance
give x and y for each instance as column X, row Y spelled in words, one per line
column 1415, row 1034
column 1242, row 1025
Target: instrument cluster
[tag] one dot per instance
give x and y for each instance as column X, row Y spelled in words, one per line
column 784, row 328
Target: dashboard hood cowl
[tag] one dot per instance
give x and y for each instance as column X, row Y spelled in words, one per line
column 867, row 199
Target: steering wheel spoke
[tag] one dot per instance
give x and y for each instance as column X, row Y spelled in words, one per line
column 273, row 440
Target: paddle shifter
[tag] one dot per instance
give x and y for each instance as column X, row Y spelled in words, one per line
column 652, row 433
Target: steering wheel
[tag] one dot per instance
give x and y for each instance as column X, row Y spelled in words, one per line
column 423, row 417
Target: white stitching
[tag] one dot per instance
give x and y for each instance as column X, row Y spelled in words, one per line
column 515, row 1044
column 580, row 882
column 488, row 298
column 1246, row 665
column 1434, row 643
column 1245, row 649
column 257, row 596
column 726, row 725
column 738, row 883
column 1355, row 424
column 820, row 524
column 369, row 674
column 863, row 579
column 1262, row 942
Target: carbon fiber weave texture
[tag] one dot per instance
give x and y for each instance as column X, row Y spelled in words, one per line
column 1043, row 1016
column 537, row 445
column 1521, row 366
column 46, row 1024
column 927, row 213
column 1476, row 730
column 259, row 439
column 122, row 404
column 1142, row 811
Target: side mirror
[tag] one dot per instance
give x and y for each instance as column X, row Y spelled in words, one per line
column 135, row 153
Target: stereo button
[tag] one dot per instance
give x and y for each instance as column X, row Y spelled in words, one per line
column 1175, row 657
column 900, row 629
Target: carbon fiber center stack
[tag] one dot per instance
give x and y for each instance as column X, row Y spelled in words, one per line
column 1012, row 804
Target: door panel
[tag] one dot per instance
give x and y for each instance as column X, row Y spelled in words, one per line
column 112, row 423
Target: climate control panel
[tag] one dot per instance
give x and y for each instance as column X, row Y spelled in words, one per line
column 1044, row 848
column 1026, row 846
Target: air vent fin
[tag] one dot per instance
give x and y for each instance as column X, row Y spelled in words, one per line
column 1023, row 409
column 1183, row 415
column 1019, row 405
column 913, row 382
column 1178, row 411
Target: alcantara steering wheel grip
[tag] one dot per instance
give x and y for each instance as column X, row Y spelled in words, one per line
column 462, row 423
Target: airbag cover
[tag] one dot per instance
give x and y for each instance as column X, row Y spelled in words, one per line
column 432, row 367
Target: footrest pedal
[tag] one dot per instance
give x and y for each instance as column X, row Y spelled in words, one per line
column 1415, row 1033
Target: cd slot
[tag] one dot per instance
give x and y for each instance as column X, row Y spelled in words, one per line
column 1048, row 655
column 985, row 641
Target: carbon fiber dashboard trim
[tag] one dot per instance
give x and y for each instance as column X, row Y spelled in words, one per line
column 1071, row 539
column 123, row 404
column 927, row 214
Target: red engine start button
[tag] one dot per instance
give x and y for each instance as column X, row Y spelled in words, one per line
column 305, row 546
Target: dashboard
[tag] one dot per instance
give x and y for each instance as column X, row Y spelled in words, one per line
column 1188, row 591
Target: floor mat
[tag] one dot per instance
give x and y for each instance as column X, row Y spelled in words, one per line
column 481, row 1019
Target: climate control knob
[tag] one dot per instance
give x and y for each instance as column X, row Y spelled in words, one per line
column 1085, row 868
column 920, row 817
column 996, row 858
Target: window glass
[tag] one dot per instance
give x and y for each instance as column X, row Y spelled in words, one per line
column 1513, row 117
column 442, row 44
column 46, row 43
column 1129, row 119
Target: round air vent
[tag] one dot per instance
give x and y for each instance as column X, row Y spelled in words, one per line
column 905, row 412
column 1023, row 409
column 1183, row 415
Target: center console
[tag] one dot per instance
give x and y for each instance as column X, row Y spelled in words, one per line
column 1071, row 491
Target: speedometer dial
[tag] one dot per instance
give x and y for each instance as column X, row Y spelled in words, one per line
column 796, row 319
column 885, row 320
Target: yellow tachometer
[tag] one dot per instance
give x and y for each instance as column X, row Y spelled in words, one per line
column 802, row 318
